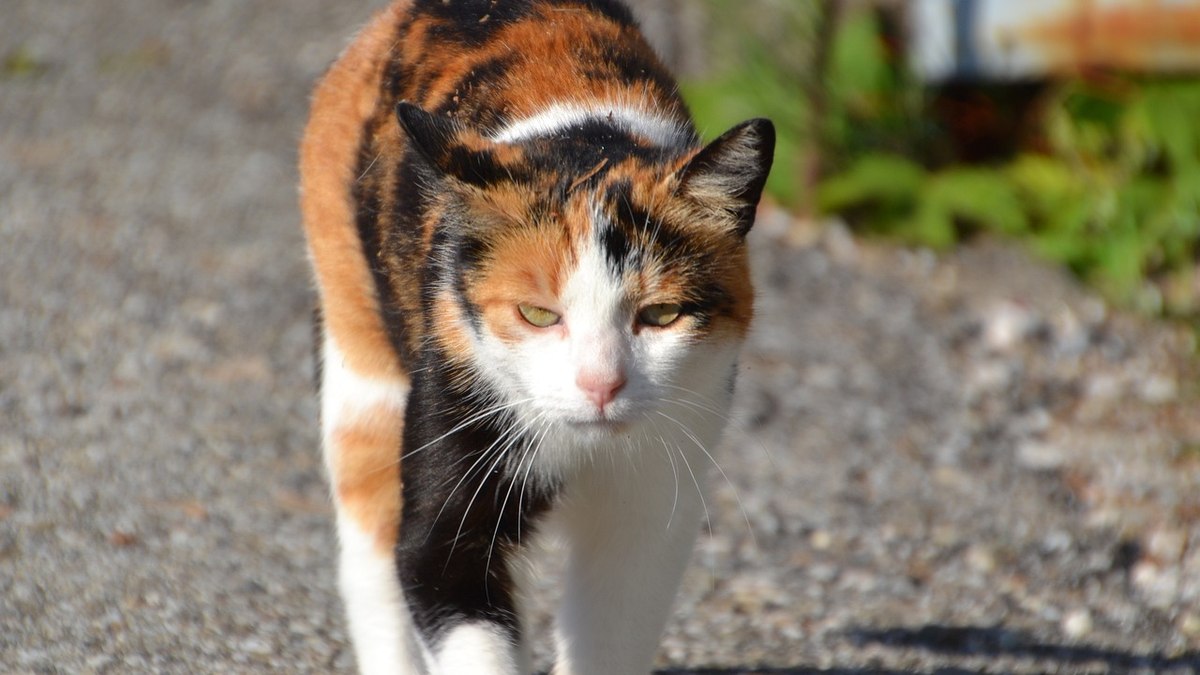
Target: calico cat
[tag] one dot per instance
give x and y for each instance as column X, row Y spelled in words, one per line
column 533, row 286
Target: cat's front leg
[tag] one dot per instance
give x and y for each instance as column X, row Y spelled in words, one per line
column 361, row 418
column 631, row 529
column 463, row 519
column 461, row 600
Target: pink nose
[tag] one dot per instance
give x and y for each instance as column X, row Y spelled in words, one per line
column 601, row 389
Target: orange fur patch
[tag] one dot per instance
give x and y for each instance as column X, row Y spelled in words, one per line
column 342, row 102
column 366, row 474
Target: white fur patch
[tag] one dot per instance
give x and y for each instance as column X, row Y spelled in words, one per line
column 477, row 648
column 658, row 129
column 346, row 395
column 384, row 642
column 344, row 391
column 630, row 525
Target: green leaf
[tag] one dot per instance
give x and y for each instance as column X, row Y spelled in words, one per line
column 933, row 226
column 982, row 196
column 884, row 179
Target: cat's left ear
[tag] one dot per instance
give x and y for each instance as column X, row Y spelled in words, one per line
column 448, row 148
column 727, row 176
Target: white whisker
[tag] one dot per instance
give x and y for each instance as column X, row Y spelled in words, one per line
column 529, row 447
column 500, row 454
column 478, row 417
column 708, row 405
column 736, row 496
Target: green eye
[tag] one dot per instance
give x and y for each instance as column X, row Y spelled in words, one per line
column 660, row 315
column 537, row 316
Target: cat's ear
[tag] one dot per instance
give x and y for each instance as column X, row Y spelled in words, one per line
column 448, row 148
column 727, row 176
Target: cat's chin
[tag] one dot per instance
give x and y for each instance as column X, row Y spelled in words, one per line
column 601, row 426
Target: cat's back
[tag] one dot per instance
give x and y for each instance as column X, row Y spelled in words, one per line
column 342, row 103
column 490, row 63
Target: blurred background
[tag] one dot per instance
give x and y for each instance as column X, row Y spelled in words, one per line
column 967, row 435
column 1069, row 126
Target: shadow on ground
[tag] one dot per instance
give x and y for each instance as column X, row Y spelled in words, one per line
column 977, row 641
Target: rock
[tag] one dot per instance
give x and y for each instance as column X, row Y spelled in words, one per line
column 1158, row 585
column 981, row 558
column 1158, row 389
column 1039, row 455
column 1006, row 324
column 1077, row 623
column 1189, row 624
column 820, row 540
column 256, row 646
column 1166, row 544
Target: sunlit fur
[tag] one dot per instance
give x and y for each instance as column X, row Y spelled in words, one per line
column 463, row 159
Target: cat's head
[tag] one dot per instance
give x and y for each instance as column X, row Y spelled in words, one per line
column 589, row 276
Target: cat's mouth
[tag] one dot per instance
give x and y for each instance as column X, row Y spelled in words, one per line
column 602, row 424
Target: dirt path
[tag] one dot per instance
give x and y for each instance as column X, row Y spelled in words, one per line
column 942, row 466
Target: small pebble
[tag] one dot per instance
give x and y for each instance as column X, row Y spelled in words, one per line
column 256, row 646
column 1159, row 586
column 1166, row 544
column 1039, row 455
column 1077, row 623
column 989, row 375
column 1158, row 389
column 820, row 540
column 1005, row 325
column 981, row 558
column 1103, row 386
column 1189, row 624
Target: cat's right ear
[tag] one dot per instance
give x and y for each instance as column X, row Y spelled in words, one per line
column 727, row 176
column 448, row 148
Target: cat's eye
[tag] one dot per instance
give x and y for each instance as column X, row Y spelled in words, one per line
column 538, row 316
column 659, row 315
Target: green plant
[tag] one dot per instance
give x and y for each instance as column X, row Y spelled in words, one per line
column 1115, row 195
column 759, row 65
column 1111, row 189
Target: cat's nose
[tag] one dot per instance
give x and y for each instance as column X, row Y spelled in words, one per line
column 600, row 388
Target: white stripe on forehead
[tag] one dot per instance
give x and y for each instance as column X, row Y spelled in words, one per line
column 593, row 292
column 659, row 130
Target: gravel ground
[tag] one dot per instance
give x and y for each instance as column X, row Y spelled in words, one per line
column 942, row 465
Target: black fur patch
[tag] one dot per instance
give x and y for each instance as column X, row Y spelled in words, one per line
column 476, row 87
column 620, row 63
column 376, row 242
column 471, row 22
column 477, row 167
column 436, row 139
column 577, row 149
column 617, row 247
column 468, row 254
column 663, row 238
column 461, row 517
